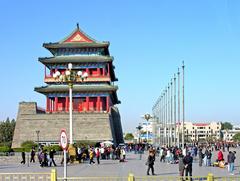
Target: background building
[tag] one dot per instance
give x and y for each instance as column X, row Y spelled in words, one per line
column 193, row 132
column 95, row 116
column 228, row 134
column 202, row 131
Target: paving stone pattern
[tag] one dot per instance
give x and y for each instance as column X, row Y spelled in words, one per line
column 115, row 168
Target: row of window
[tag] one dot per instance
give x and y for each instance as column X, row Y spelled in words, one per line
column 79, row 51
column 201, row 127
column 201, row 131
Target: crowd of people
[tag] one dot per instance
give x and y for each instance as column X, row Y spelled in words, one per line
column 104, row 152
column 203, row 154
column 83, row 154
column 185, row 157
column 44, row 157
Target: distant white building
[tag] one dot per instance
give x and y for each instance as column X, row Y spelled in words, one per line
column 202, row 131
column 193, row 131
column 228, row 134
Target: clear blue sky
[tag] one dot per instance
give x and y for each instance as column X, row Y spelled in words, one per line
column 149, row 39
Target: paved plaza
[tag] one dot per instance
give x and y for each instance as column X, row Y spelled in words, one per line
column 115, row 168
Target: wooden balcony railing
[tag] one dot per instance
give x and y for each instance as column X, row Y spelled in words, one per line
column 105, row 78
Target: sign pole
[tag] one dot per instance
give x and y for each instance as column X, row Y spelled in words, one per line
column 65, row 165
column 64, row 144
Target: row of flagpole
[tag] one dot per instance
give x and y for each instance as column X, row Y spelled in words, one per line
column 168, row 111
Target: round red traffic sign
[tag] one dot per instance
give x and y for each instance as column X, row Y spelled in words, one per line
column 63, row 139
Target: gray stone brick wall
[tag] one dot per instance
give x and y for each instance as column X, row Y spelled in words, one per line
column 86, row 126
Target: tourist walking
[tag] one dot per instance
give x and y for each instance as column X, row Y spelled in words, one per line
column 39, row 155
column 220, row 156
column 98, row 155
column 150, row 163
column 205, row 157
column 201, row 156
column 141, row 151
column 123, row 153
column 231, row 158
column 188, row 160
column 181, row 165
column 209, row 156
column 161, row 154
column 168, row 156
column 91, row 155
column 51, row 156
column 23, row 158
column 32, row 155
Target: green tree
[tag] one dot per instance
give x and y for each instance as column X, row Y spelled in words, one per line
column 236, row 137
column 6, row 131
column 28, row 145
column 226, row 125
column 129, row 136
column 81, row 143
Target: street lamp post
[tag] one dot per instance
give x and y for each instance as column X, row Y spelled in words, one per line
column 147, row 117
column 183, row 110
column 161, row 120
column 139, row 127
column 168, row 125
column 70, row 76
column 171, row 114
column 166, row 117
column 175, row 114
column 38, row 131
column 178, row 140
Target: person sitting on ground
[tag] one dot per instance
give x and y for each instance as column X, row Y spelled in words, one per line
column 221, row 164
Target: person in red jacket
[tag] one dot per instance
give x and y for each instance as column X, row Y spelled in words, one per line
column 98, row 155
column 220, row 155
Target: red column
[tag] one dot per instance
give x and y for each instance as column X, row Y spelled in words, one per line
column 47, row 104
column 103, row 71
column 87, row 70
column 107, row 103
column 101, row 104
column 66, row 103
column 108, row 68
column 45, row 71
column 98, row 103
column 98, row 71
column 87, row 103
column 52, row 107
column 50, row 104
column 56, row 104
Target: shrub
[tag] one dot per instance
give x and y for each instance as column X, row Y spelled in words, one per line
column 28, row 145
column 8, row 144
column 5, row 149
column 85, row 143
column 55, row 147
column 19, row 149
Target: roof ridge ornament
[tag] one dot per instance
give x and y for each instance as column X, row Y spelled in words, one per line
column 78, row 26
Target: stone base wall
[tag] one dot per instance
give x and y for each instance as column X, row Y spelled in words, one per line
column 86, row 126
column 6, row 160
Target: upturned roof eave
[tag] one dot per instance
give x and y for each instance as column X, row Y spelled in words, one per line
column 74, row 59
column 64, row 88
column 76, row 88
column 76, row 45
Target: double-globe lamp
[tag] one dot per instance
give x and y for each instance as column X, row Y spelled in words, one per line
column 70, row 76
